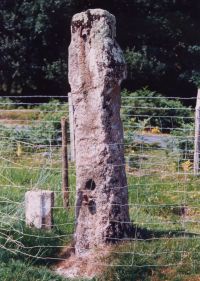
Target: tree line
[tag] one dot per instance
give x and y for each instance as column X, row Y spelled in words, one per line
column 160, row 39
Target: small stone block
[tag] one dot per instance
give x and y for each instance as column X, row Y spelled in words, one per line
column 38, row 209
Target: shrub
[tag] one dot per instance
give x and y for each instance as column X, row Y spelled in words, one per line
column 155, row 110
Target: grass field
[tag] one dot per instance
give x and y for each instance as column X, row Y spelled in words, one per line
column 164, row 208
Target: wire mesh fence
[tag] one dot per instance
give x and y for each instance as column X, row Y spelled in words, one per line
column 163, row 190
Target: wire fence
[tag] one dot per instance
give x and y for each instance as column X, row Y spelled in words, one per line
column 163, row 191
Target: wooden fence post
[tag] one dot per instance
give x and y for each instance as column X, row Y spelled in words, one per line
column 65, row 181
column 197, row 135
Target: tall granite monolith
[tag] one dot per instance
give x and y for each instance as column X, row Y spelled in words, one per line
column 96, row 70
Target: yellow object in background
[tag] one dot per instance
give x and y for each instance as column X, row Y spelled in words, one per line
column 186, row 166
column 155, row 130
column 19, row 149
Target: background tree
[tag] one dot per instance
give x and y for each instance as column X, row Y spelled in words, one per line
column 161, row 41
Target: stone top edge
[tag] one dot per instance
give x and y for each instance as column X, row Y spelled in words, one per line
column 39, row 191
column 92, row 12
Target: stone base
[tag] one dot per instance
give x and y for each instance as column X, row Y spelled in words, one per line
column 90, row 265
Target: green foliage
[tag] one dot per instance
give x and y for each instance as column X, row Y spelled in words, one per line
column 17, row 270
column 183, row 142
column 33, row 46
column 46, row 130
column 6, row 103
column 147, row 109
column 161, row 43
column 142, row 66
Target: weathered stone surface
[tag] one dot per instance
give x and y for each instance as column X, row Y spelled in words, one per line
column 96, row 70
column 38, row 208
column 71, row 128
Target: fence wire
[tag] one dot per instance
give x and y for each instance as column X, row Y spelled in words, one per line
column 163, row 191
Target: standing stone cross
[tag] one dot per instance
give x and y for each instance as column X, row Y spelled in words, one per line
column 96, row 70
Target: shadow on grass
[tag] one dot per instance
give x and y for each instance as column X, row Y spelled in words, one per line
column 150, row 255
column 147, row 234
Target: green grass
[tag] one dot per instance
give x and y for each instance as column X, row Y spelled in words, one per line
column 23, row 271
column 164, row 207
column 33, row 171
column 166, row 259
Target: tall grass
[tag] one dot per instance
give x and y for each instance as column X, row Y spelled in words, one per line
column 163, row 203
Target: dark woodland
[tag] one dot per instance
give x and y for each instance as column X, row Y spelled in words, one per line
column 160, row 39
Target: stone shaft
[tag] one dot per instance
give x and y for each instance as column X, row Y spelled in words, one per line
column 71, row 128
column 96, row 70
column 38, row 209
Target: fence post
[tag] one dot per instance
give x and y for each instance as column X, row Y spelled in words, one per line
column 65, row 181
column 71, row 128
column 197, row 135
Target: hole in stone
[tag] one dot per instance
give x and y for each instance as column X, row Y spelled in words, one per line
column 92, row 207
column 84, row 36
column 90, row 184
